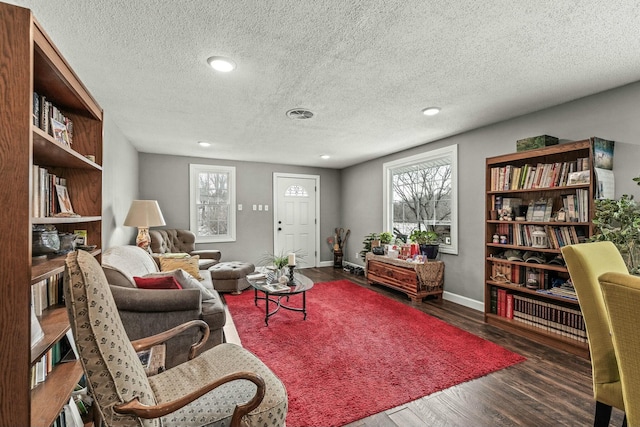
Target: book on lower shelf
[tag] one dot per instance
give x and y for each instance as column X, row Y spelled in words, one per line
column 36, row 330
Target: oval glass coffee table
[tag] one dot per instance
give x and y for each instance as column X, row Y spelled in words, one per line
column 276, row 292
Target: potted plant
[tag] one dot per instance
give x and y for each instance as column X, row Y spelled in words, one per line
column 370, row 240
column 385, row 238
column 428, row 241
column 618, row 221
column 277, row 262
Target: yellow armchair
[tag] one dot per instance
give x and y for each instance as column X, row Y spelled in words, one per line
column 622, row 297
column 586, row 262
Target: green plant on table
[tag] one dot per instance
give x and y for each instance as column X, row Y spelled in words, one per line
column 278, row 261
column 424, row 237
column 386, row 237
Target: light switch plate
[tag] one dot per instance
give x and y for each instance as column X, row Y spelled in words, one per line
column 239, row 206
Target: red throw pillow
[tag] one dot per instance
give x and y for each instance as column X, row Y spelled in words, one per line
column 166, row 282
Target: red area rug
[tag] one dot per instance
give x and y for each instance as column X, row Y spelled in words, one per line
column 359, row 353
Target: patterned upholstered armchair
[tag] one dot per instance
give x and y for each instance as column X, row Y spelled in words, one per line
column 224, row 386
column 181, row 241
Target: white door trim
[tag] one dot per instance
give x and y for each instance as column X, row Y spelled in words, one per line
column 316, row 178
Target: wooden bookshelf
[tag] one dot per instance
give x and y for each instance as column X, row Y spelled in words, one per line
column 535, row 326
column 31, row 63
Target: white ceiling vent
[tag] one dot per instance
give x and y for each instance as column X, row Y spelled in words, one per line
column 299, row 114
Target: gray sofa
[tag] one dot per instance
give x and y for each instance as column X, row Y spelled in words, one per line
column 146, row 312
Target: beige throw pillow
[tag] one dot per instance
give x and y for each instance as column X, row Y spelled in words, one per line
column 189, row 264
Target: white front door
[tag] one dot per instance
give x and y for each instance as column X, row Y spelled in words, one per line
column 296, row 227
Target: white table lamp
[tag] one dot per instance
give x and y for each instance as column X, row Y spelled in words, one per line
column 144, row 214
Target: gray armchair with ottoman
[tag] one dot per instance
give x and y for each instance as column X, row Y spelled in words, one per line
column 146, row 312
column 226, row 276
column 181, row 241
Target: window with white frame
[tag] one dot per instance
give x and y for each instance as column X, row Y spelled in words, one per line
column 420, row 192
column 212, row 200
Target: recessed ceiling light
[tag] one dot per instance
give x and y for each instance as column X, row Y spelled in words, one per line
column 299, row 114
column 204, row 143
column 325, row 156
column 222, row 64
column 431, row 111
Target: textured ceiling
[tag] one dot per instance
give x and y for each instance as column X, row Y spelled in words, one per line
column 365, row 68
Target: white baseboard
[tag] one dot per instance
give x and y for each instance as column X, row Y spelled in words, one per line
column 467, row 302
column 344, row 263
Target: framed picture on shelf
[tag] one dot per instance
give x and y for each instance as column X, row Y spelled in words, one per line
column 539, row 210
column 63, row 199
column 578, row 178
column 60, row 132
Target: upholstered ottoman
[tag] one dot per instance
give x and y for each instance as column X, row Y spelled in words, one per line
column 231, row 276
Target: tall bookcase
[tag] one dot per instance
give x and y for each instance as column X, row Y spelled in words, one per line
column 30, row 63
column 510, row 304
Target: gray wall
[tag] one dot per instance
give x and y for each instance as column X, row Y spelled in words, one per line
column 352, row 198
column 609, row 115
column 119, row 185
column 166, row 179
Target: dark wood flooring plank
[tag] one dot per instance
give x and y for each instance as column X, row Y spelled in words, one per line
column 551, row 388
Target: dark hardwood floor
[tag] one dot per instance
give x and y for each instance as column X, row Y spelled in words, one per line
column 551, row 388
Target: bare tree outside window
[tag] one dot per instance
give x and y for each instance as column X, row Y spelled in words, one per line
column 212, row 203
column 422, row 199
column 420, row 193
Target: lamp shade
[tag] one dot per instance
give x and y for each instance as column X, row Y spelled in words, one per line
column 144, row 213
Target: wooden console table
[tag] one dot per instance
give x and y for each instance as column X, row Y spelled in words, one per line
column 417, row 280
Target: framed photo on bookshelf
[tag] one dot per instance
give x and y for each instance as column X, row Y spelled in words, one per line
column 63, row 199
column 539, row 210
column 60, row 132
column 578, row 178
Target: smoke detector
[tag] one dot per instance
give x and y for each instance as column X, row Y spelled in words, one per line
column 299, row 114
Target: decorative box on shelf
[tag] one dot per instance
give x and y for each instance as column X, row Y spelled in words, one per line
column 417, row 280
column 535, row 142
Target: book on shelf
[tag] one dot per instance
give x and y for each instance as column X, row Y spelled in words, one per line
column 45, row 199
column 61, row 352
column 81, row 237
column 555, row 318
column 36, row 329
column 52, row 120
column 542, row 175
column 47, row 292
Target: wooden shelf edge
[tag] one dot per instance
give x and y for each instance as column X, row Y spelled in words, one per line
column 524, row 290
column 552, row 267
column 48, row 398
column 63, row 220
column 523, row 248
column 44, row 269
column 539, row 335
column 55, row 323
column 562, row 148
column 540, row 189
column 47, row 150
